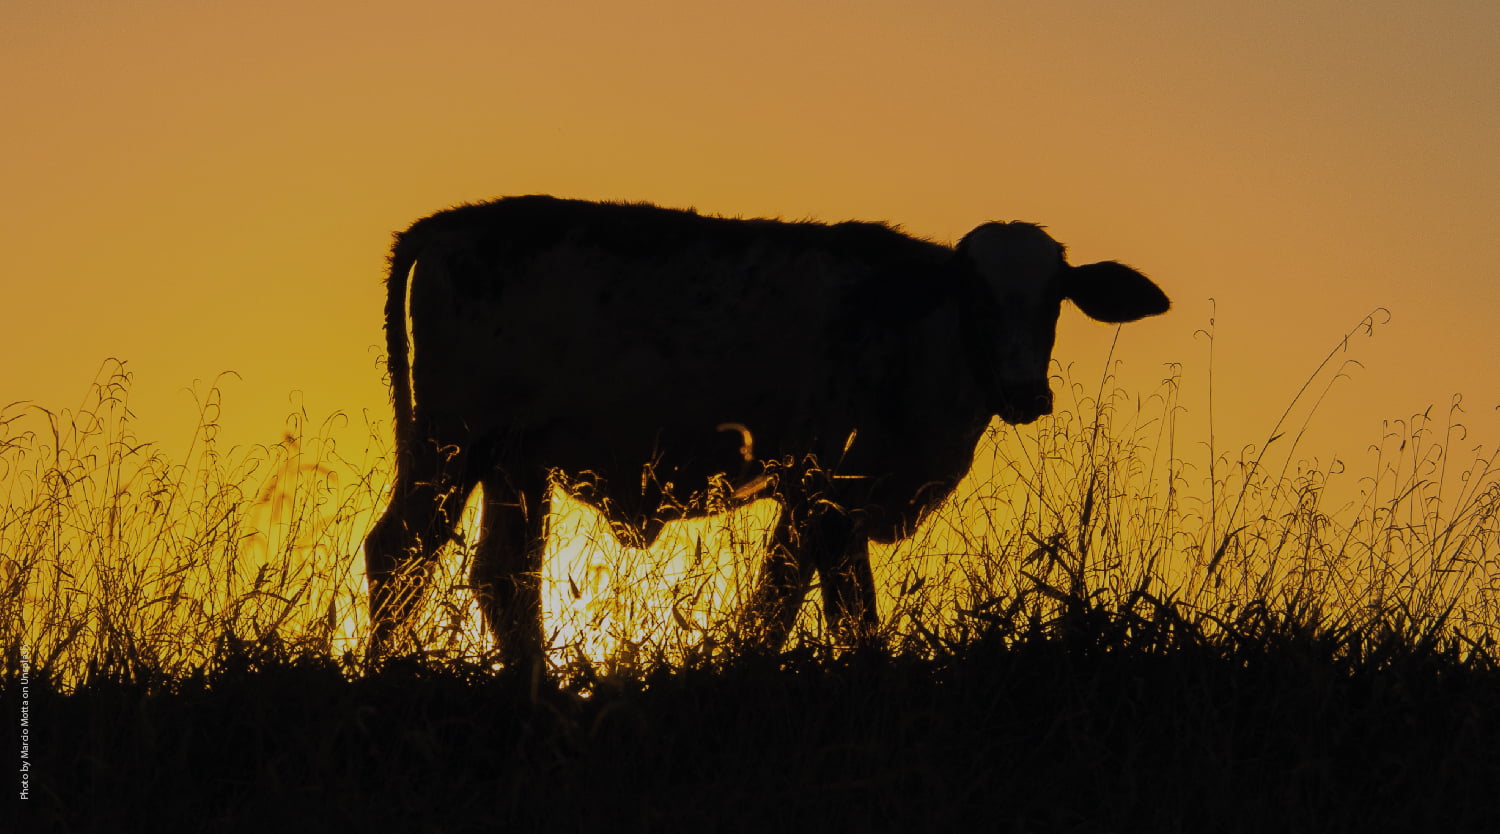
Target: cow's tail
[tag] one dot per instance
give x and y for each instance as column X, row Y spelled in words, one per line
column 397, row 344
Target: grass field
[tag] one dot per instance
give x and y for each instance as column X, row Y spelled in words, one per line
column 1111, row 627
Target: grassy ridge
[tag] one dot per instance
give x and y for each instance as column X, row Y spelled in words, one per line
column 1052, row 732
column 1109, row 628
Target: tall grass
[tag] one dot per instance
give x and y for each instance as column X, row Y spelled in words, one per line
column 1106, row 511
column 118, row 560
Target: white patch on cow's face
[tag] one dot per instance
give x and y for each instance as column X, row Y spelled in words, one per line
column 1019, row 264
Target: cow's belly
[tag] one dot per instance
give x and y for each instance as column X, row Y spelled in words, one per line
column 601, row 376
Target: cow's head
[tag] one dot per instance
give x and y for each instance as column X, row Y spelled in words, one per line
column 1012, row 321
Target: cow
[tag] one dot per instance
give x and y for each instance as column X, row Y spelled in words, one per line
column 672, row 364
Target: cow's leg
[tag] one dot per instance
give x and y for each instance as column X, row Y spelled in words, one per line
column 841, row 554
column 403, row 545
column 783, row 581
column 826, row 541
column 508, row 565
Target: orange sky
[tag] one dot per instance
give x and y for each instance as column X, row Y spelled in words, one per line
column 199, row 187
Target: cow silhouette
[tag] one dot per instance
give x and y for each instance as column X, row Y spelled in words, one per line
column 674, row 364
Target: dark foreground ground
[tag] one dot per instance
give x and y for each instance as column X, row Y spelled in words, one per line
column 1044, row 735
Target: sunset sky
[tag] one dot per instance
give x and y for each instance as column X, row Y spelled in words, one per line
column 198, row 188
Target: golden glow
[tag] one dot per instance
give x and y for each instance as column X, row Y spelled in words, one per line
column 198, row 188
column 116, row 547
column 601, row 599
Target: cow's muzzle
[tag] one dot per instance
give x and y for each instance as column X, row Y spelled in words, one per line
column 1019, row 403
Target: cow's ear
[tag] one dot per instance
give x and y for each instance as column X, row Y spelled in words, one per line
column 1113, row 292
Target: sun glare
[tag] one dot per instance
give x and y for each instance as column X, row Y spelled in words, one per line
column 604, row 602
